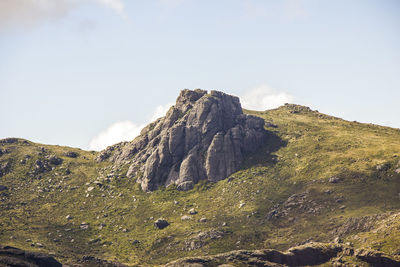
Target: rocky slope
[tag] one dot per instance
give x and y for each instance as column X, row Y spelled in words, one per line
column 314, row 178
column 202, row 137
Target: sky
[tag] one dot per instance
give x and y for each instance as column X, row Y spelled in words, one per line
column 90, row 73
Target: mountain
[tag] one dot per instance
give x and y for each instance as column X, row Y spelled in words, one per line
column 209, row 184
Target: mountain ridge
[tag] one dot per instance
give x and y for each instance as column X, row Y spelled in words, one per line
column 318, row 178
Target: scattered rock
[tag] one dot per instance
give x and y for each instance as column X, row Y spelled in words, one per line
column 71, row 154
column 293, row 205
column 212, row 234
column 94, row 240
column 203, row 219
column 84, row 225
column 161, row 223
column 135, row 242
column 358, row 224
column 98, row 183
column 4, row 168
column 192, row 211
column 10, row 140
column 68, row 217
column 201, row 239
column 3, row 151
column 53, row 159
column 93, row 261
column 382, row 167
column 3, row 188
column 186, row 217
column 90, row 188
column 334, row 179
column 185, row 186
column 42, row 166
column 337, row 240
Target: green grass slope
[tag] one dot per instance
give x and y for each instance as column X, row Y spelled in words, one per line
column 318, row 178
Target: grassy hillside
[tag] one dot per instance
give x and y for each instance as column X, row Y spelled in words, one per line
column 318, row 178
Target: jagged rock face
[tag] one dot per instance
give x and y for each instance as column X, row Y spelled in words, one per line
column 204, row 136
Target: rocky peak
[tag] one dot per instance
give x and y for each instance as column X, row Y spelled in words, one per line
column 203, row 136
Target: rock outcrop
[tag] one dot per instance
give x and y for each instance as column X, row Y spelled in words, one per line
column 4, row 168
column 10, row 256
column 309, row 254
column 204, row 136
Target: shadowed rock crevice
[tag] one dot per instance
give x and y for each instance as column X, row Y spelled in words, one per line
column 202, row 137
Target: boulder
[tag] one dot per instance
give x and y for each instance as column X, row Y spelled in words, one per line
column 186, row 218
column 53, row 159
column 161, row 223
column 71, row 154
column 3, row 188
column 185, row 186
column 203, row 219
column 334, row 179
column 192, row 211
column 3, row 151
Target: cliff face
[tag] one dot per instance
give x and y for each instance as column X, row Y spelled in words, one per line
column 203, row 136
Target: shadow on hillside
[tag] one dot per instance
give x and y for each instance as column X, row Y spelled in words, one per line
column 264, row 155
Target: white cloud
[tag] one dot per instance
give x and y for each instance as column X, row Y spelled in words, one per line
column 27, row 13
column 124, row 130
column 263, row 98
column 259, row 98
column 117, row 132
column 160, row 111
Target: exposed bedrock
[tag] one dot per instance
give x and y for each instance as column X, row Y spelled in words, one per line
column 203, row 136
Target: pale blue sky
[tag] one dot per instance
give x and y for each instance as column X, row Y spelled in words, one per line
column 70, row 70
